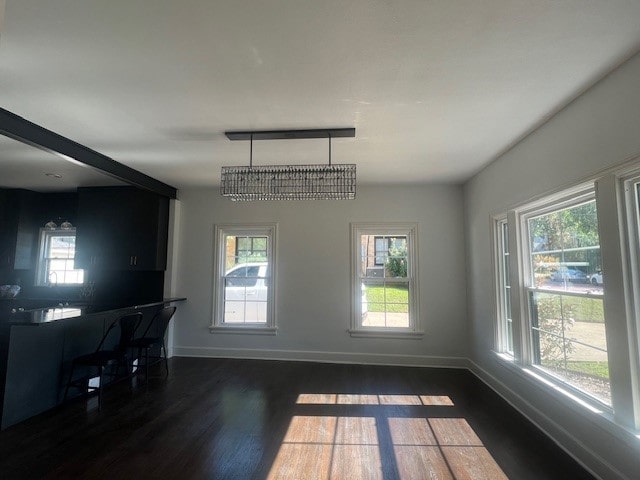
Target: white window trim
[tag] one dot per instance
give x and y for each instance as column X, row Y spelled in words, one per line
column 624, row 306
column 41, row 280
column 257, row 229
column 410, row 230
column 552, row 205
column 619, row 231
column 501, row 335
column 565, row 199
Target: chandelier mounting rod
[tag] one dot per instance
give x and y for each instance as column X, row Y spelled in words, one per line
column 291, row 134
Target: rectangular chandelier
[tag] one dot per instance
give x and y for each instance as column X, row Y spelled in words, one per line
column 289, row 182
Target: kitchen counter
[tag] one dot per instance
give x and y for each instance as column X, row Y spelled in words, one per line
column 38, row 345
column 45, row 315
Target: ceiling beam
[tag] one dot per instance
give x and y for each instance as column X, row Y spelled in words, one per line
column 18, row 128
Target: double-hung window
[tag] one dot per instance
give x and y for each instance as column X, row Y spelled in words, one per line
column 56, row 259
column 564, row 297
column 384, row 280
column 567, row 282
column 245, row 278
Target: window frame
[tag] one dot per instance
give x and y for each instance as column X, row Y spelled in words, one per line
column 625, row 305
column 221, row 232
column 582, row 193
column 503, row 287
column 410, row 231
column 385, row 251
column 618, row 211
column 251, row 249
column 42, row 266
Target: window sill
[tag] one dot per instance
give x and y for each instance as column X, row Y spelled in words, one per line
column 556, row 385
column 360, row 333
column 244, row 330
column 596, row 412
column 506, row 357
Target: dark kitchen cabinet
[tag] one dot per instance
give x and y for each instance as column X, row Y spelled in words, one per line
column 121, row 228
column 18, row 229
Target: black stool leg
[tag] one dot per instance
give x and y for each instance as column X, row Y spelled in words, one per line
column 146, row 364
column 166, row 362
column 100, row 386
column 135, row 367
column 66, row 390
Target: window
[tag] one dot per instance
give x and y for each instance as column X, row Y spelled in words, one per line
column 566, row 324
column 505, row 322
column 56, row 259
column 384, row 280
column 251, row 248
column 382, row 247
column 245, row 272
column 570, row 263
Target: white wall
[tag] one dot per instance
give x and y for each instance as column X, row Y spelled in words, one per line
column 598, row 130
column 313, row 283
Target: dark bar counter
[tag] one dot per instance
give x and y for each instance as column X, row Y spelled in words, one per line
column 38, row 345
column 67, row 310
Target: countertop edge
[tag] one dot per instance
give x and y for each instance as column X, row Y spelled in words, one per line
column 164, row 301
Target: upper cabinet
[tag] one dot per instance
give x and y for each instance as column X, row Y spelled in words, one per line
column 121, row 228
column 18, row 233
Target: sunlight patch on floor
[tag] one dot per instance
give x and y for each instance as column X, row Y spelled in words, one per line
column 349, row 447
column 353, row 399
column 329, row 448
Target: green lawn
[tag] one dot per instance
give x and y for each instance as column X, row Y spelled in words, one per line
column 582, row 309
column 397, row 298
column 586, row 309
column 594, row 369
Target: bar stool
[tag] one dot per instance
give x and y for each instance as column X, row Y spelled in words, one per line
column 101, row 359
column 146, row 343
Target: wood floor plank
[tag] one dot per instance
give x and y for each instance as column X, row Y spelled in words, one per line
column 355, row 399
column 317, row 398
column 411, row 431
column 296, row 461
column 442, row 400
column 454, row 431
column 311, row 429
column 356, row 462
column 422, row 462
column 356, row 431
column 472, row 463
column 399, row 400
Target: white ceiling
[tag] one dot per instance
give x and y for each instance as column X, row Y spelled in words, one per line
column 435, row 89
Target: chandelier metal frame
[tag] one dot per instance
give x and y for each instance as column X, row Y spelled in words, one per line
column 289, row 182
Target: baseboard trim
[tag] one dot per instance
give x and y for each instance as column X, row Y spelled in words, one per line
column 586, row 457
column 324, row 357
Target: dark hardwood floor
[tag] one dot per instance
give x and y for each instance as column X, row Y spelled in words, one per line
column 245, row 419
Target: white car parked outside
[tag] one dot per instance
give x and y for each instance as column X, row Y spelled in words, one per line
column 596, row 278
column 245, row 293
